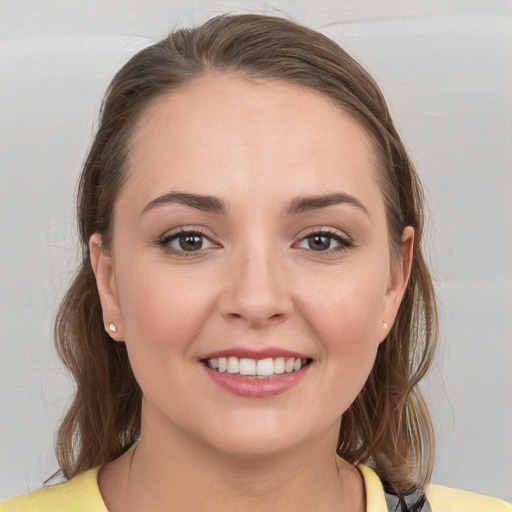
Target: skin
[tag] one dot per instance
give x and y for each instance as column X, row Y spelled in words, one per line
column 256, row 282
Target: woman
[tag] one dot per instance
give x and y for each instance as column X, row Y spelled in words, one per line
column 253, row 313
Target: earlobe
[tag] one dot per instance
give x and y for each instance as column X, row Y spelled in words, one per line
column 400, row 273
column 103, row 268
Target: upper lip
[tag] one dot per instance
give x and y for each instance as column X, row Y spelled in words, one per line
column 252, row 353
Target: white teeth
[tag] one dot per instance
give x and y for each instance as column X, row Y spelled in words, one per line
column 247, row 366
column 233, row 365
column 279, row 365
column 256, row 367
column 265, row 367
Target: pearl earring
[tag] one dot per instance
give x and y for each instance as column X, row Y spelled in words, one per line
column 112, row 328
column 385, row 325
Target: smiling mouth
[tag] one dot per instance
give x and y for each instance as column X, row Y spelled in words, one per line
column 261, row 368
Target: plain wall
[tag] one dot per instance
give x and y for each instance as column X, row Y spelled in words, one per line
column 445, row 68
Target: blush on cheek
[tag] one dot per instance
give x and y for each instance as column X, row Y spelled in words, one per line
column 348, row 318
column 157, row 302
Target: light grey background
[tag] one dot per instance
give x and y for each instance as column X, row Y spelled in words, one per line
column 445, row 67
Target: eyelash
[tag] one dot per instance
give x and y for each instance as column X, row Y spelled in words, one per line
column 166, row 240
column 344, row 243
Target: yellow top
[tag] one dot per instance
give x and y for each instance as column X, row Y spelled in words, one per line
column 441, row 499
column 81, row 494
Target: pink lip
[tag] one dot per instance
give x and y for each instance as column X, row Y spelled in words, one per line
column 262, row 353
column 254, row 387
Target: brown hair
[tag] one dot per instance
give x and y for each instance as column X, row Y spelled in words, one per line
column 388, row 424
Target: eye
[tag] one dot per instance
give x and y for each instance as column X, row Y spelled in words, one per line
column 325, row 241
column 186, row 241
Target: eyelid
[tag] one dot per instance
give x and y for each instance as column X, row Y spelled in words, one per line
column 180, row 230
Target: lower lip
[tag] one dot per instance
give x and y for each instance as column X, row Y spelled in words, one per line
column 256, row 387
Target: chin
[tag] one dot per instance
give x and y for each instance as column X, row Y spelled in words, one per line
column 256, row 447
column 257, row 438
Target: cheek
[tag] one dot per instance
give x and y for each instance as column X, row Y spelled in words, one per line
column 162, row 316
column 162, row 311
column 348, row 307
column 346, row 320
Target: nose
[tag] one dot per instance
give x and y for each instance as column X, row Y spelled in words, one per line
column 257, row 290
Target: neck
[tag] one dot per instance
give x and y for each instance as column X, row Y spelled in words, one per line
column 179, row 473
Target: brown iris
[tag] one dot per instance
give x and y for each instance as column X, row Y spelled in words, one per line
column 319, row 242
column 190, row 242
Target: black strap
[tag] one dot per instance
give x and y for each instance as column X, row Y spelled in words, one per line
column 414, row 502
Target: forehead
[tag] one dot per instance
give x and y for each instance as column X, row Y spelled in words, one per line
column 230, row 135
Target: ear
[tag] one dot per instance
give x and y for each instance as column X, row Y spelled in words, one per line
column 103, row 268
column 399, row 277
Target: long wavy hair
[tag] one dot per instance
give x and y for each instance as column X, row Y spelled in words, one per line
column 388, row 425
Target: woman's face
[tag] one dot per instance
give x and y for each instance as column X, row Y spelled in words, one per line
column 250, row 273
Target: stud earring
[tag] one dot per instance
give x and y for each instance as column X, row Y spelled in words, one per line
column 385, row 325
column 112, row 328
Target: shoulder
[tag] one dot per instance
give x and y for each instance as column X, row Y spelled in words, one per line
column 81, row 494
column 440, row 499
column 445, row 499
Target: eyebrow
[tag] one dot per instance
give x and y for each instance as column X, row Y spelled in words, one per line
column 308, row 203
column 297, row 205
column 208, row 204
